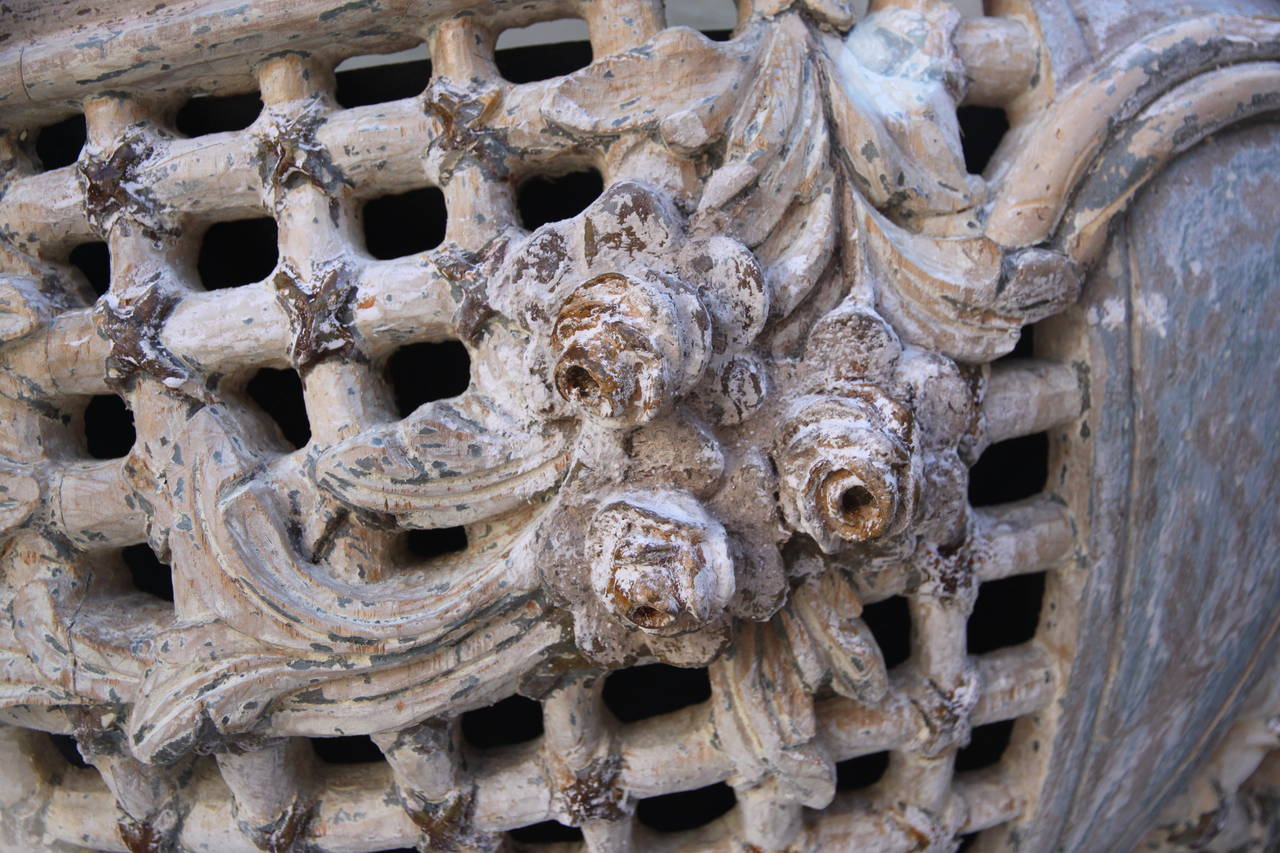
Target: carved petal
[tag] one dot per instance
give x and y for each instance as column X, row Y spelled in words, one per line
column 764, row 714
column 966, row 297
column 451, row 462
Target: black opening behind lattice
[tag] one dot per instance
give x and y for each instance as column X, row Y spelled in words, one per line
column 890, row 624
column 515, row 719
column 239, row 252
column 1006, row 613
column 279, row 394
column 93, row 259
column 639, row 692
column 547, row 832
column 377, row 84
column 542, row 61
column 1010, row 470
column 547, row 198
column 861, row 772
column 59, row 144
column 981, row 129
column 404, row 223
column 109, row 432
column 426, row 544
column 147, row 572
column 217, row 114
column 685, row 810
column 346, row 749
column 986, row 745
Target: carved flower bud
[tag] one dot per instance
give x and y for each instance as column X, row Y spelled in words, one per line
column 660, row 562
column 623, row 347
column 845, row 469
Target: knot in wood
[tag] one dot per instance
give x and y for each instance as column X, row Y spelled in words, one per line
column 116, row 188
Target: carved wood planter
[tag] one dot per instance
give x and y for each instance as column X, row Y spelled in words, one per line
column 750, row 419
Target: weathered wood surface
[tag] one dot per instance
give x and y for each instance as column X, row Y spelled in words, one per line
column 710, row 418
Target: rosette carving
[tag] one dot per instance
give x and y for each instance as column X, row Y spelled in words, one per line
column 660, row 562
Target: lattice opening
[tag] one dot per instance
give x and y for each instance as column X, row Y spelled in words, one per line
column 66, row 747
column 1025, row 347
column 890, row 623
column 347, row 749
column 93, row 259
column 242, row 251
column 862, row 772
column 986, row 746
column 547, row 832
column 109, row 432
column 516, row 719
column 546, row 198
column 686, row 810
column 421, row 545
column 404, row 223
column 278, row 393
column 981, row 130
column 1006, row 613
column 421, row 373
column 1010, row 470
column 379, row 78
column 523, row 56
column 715, row 20
column 59, row 144
column 203, row 114
column 640, row 692
column 147, row 573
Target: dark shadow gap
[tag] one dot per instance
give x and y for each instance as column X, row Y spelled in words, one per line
column 1010, row 470
column 147, row 573
column 986, row 745
column 890, row 624
column 426, row 544
column 515, row 719
column 421, row 373
column 203, row 115
column 981, row 129
column 378, row 84
column 527, row 64
column 544, row 199
column 59, row 144
column 66, row 746
column 405, row 223
column 686, row 810
column 861, row 772
column 640, row 692
column 279, row 394
column 236, row 253
column 94, row 262
column 109, row 432
column 1026, row 345
column 347, row 749
column 1006, row 613
column 547, row 832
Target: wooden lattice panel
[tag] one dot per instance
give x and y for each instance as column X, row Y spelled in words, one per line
column 710, row 418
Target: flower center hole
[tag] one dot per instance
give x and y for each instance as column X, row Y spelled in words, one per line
column 856, row 501
column 579, row 382
column 649, row 617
